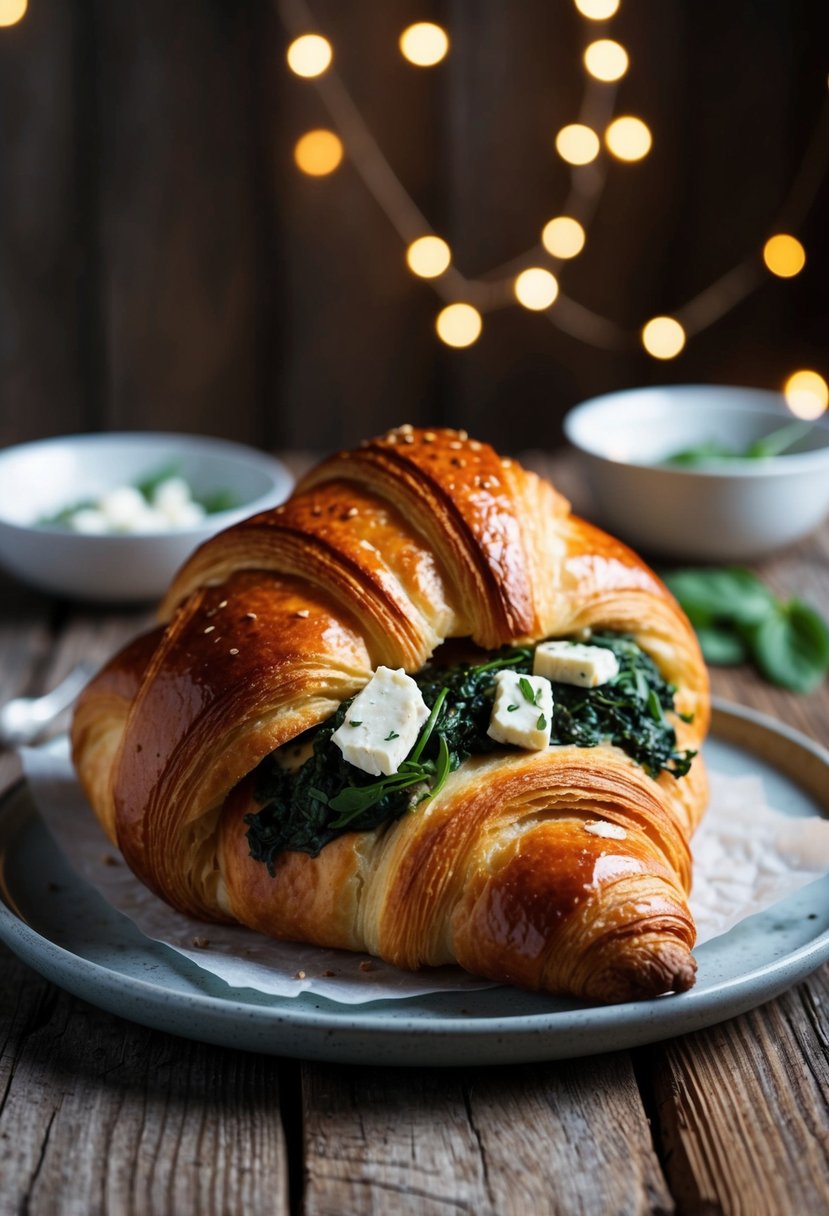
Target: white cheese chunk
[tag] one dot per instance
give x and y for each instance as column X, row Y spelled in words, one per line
column 89, row 521
column 122, row 507
column 609, row 831
column 522, row 712
column 382, row 723
column 575, row 663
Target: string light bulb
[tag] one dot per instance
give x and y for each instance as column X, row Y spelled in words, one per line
column 606, row 60
column 12, row 11
column 563, row 237
column 784, row 255
column 459, row 325
column 424, row 44
column 428, row 256
column 628, row 138
column 318, row 152
column 536, row 288
column 309, row 56
column 807, row 394
column 597, row 10
column 577, row 144
column 663, row 337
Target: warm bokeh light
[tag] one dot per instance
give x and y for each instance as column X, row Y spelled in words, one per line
column 563, row 237
column 807, row 394
column 597, row 10
column 318, row 152
column 12, row 11
column 606, row 60
column 309, row 55
column 536, row 288
column 428, row 256
column 663, row 337
column 577, row 144
column 424, row 44
column 784, row 255
column 459, row 324
column 628, row 138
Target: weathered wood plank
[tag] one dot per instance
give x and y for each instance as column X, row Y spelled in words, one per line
column 42, row 240
column 100, row 1116
column 743, row 1109
column 178, row 232
column 569, row 1138
column 361, row 352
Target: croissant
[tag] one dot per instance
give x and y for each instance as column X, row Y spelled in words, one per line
column 563, row 868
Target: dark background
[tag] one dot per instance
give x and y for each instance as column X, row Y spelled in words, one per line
column 163, row 264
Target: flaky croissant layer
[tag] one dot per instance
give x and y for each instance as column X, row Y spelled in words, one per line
column 380, row 556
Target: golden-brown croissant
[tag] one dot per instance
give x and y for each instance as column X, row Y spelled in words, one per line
column 564, row 869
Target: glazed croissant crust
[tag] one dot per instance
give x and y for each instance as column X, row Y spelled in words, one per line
column 379, row 557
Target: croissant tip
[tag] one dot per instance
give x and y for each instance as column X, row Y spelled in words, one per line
column 665, row 968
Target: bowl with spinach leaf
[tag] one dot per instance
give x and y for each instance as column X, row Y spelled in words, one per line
column 47, row 486
column 702, row 472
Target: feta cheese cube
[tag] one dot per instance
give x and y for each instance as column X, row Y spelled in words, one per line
column 171, row 493
column 522, row 713
column 575, row 663
column 122, row 507
column 382, row 723
column 89, row 521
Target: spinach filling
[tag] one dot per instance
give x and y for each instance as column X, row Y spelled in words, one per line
column 324, row 797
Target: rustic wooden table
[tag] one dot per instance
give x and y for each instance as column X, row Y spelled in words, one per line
column 100, row 1115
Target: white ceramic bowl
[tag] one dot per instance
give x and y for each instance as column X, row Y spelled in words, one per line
column 735, row 510
column 39, row 479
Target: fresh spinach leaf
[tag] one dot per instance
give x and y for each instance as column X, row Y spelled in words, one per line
column 721, row 646
column 737, row 618
column 702, row 453
column 712, row 450
column 791, row 647
column 306, row 808
column 729, row 594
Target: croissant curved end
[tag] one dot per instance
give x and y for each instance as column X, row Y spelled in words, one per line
column 383, row 556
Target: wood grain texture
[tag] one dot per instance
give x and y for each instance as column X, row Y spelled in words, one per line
column 744, row 1109
column 43, row 251
column 358, row 352
column 566, row 1139
column 102, row 1116
column 178, row 230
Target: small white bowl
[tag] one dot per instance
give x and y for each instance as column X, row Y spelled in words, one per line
column 735, row 510
column 39, row 479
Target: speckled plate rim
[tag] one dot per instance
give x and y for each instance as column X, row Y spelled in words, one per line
column 317, row 1029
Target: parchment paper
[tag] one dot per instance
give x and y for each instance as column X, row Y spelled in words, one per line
column 748, row 856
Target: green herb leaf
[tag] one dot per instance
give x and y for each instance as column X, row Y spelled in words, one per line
column 515, row 658
column 528, row 691
column 217, row 500
column 655, row 706
column 791, row 647
column 776, row 442
column 511, row 708
column 722, row 646
column 354, row 723
column 391, row 735
column 429, row 726
column 702, row 453
column 733, row 595
column 541, row 724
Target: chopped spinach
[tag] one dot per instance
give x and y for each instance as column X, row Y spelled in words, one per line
column 306, row 808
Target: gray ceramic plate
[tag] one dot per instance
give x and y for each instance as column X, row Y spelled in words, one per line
column 67, row 932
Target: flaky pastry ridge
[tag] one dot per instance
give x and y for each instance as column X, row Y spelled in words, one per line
column 381, row 555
